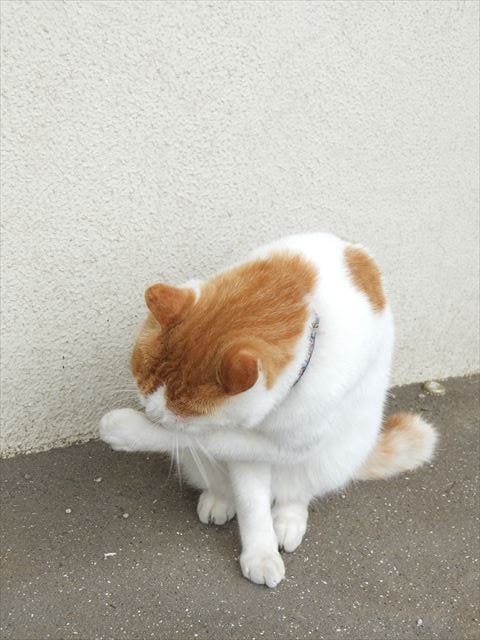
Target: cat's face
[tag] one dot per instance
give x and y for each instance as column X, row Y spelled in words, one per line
column 212, row 354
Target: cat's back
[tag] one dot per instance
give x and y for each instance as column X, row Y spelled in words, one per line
column 319, row 248
column 324, row 250
column 348, row 278
column 328, row 253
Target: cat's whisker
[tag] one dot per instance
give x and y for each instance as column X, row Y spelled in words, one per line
column 211, row 459
column 172, row 459
column 177, row 459
column 200, row 467
column 120, row 389
column 121, row 392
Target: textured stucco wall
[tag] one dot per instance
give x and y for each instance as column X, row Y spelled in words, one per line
column 162, row 140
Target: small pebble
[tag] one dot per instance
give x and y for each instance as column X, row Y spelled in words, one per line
column 27, row 476
column 68, row 511
column 125, row 515
column 97, row 479
column 419, row 622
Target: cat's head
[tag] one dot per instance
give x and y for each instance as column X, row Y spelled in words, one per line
column 213, row 353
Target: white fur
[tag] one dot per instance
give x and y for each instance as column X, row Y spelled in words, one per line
column 288, row 444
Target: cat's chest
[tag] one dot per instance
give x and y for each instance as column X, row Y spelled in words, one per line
column 293, row 425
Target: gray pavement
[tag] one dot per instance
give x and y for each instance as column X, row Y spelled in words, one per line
column 125, row 556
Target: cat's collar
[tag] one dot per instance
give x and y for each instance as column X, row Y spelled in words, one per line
column 311, row 346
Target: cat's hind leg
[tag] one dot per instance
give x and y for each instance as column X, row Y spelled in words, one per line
column 215, row 504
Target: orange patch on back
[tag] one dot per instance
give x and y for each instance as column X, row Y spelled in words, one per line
column 247, row 315
column 365, row 275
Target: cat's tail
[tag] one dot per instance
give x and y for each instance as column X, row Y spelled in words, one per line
column 405, row 442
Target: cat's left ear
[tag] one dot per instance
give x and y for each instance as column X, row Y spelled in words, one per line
column 169, row 305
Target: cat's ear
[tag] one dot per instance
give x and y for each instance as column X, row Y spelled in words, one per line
column 169, row 305
column 239, row 370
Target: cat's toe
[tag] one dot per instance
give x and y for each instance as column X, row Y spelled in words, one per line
column 289, row 530
column 263, row 567
column 214, row 509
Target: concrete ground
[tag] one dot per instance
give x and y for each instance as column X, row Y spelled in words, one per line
column 98, row 544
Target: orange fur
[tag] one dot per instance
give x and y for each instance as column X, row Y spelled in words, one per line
column 395, row 424
column 169, row 305
column 249, row 314
column 405, row 442
column 238, row 371
column 366, row 275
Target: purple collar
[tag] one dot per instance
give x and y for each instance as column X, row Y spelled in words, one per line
column 311, row 346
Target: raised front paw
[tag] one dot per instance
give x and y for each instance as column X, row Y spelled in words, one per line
column 262, row 566
column 119, row 429
column 215, row 509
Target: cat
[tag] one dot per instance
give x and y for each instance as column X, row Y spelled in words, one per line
column 269, row 381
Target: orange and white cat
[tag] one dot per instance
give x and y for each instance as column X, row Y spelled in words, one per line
column 270, row 380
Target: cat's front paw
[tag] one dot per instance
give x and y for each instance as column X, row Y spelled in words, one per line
column 290, row 525
column 262, row 566
column 118, row 429
column 215, row 509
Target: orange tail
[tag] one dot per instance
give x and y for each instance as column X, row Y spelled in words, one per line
column 405, row 442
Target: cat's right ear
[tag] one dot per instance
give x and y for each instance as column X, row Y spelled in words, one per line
column 169, row 305
column 239, row 370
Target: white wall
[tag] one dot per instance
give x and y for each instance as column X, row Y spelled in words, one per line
column 162, row 140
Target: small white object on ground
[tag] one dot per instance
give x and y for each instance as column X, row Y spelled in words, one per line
column 419, row 622
column 434, row 388
column 109, row 554
column 125, row 515
column 97, row 479
column 68, row 511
